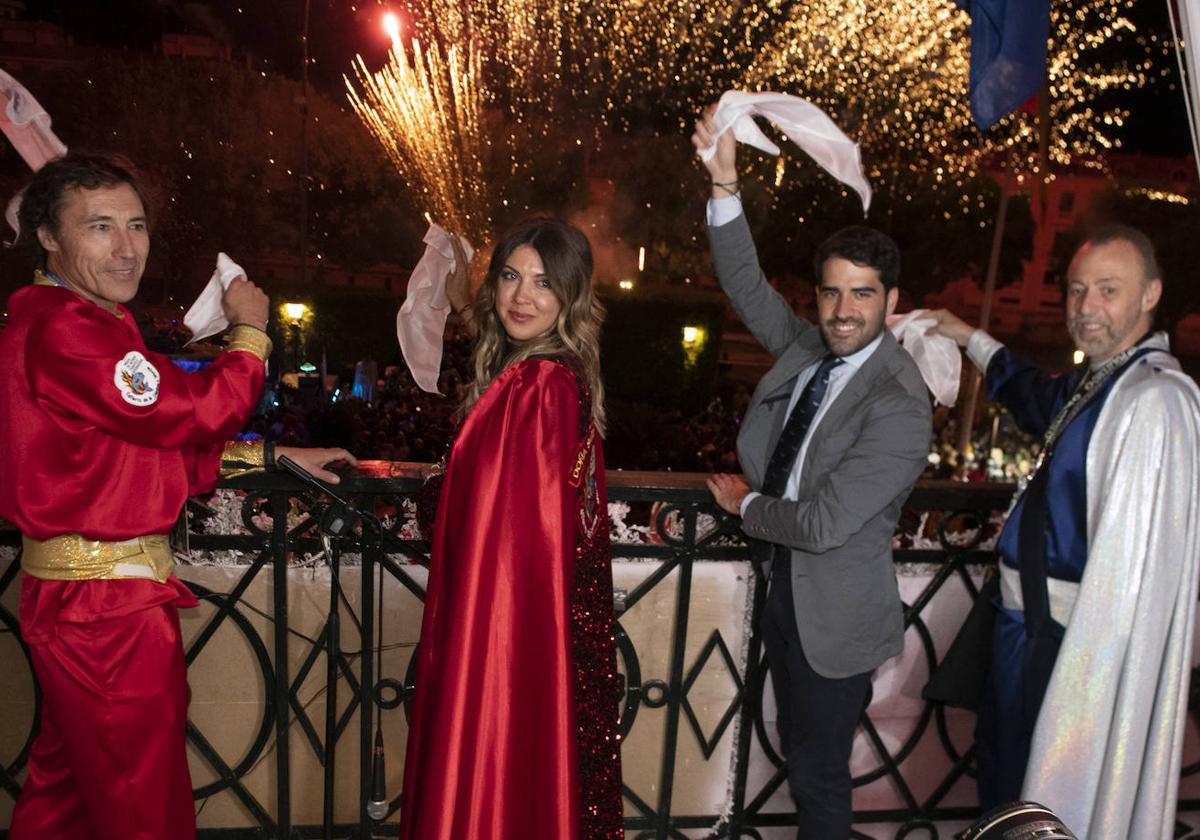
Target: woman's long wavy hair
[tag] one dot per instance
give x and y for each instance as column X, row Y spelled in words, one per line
column 567, row 258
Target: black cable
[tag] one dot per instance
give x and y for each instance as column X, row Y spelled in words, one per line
column 360, row 652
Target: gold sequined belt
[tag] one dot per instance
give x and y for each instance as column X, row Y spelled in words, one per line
column 71, row 557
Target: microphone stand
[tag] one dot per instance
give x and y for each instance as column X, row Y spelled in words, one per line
column 377, row 805
column 337, row 522
column 332, row 642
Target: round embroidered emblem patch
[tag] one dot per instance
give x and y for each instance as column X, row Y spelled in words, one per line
column 136, row 379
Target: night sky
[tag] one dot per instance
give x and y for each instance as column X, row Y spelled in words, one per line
column 269, row 34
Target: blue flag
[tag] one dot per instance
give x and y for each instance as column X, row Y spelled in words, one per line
column 1008, row 54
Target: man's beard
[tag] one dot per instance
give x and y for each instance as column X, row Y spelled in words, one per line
column 1103, row 343
column 851, row 341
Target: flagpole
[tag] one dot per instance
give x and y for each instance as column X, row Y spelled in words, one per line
column 1043, row 130
column 989, row 285
column 304, row 157
column 1188, row 68
column 985, row 313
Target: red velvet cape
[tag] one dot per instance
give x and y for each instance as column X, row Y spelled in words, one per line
column 513, row 733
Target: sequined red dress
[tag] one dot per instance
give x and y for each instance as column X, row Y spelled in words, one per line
column 513, row 733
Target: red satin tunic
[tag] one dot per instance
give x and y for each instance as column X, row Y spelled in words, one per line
column 83, row 456
column 513, row 732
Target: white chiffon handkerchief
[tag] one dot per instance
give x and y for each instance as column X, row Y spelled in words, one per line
column 27, row 126
column 803, row 123
column 421, row 321
column 937, row 356
column 206, row 316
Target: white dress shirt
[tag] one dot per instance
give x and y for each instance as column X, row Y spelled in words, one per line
column 839, row 377
column 724, row 210
column 980, row 349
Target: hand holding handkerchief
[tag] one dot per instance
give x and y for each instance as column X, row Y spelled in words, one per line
column 206, row 316
column 803, row 123
column 937, row 356
column 421, row 321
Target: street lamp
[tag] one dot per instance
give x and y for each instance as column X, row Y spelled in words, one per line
column 295, row 313
column 694, row 339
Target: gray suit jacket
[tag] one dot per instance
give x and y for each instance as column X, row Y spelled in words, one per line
column 862, row 459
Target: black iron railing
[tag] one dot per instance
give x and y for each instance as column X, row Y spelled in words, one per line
column 684, row 529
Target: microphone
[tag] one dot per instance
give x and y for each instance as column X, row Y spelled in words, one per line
column 377, row 805
column 286, row 463
column 339, row 516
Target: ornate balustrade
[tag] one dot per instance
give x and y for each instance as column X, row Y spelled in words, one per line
column 700, row 755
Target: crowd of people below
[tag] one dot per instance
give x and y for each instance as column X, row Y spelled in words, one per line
column 403, row 423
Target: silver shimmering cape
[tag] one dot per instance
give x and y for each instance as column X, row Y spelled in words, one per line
column 1107, row 746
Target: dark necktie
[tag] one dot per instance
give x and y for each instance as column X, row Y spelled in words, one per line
column 783, row 459
column 792, row 437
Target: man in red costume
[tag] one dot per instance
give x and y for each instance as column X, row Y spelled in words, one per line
column 103, row 442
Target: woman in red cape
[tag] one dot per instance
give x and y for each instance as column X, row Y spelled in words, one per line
column 513, row 733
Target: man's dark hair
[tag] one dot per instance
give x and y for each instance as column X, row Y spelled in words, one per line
column 47, row 191
column 1124, row 233
column 865, row 247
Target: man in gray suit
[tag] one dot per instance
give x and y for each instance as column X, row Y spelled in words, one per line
column 832, row 441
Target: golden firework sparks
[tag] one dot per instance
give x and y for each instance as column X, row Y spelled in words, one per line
column 423, row 107
column 893, row 73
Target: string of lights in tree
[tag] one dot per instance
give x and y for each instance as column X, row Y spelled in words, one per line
column 892, row 73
